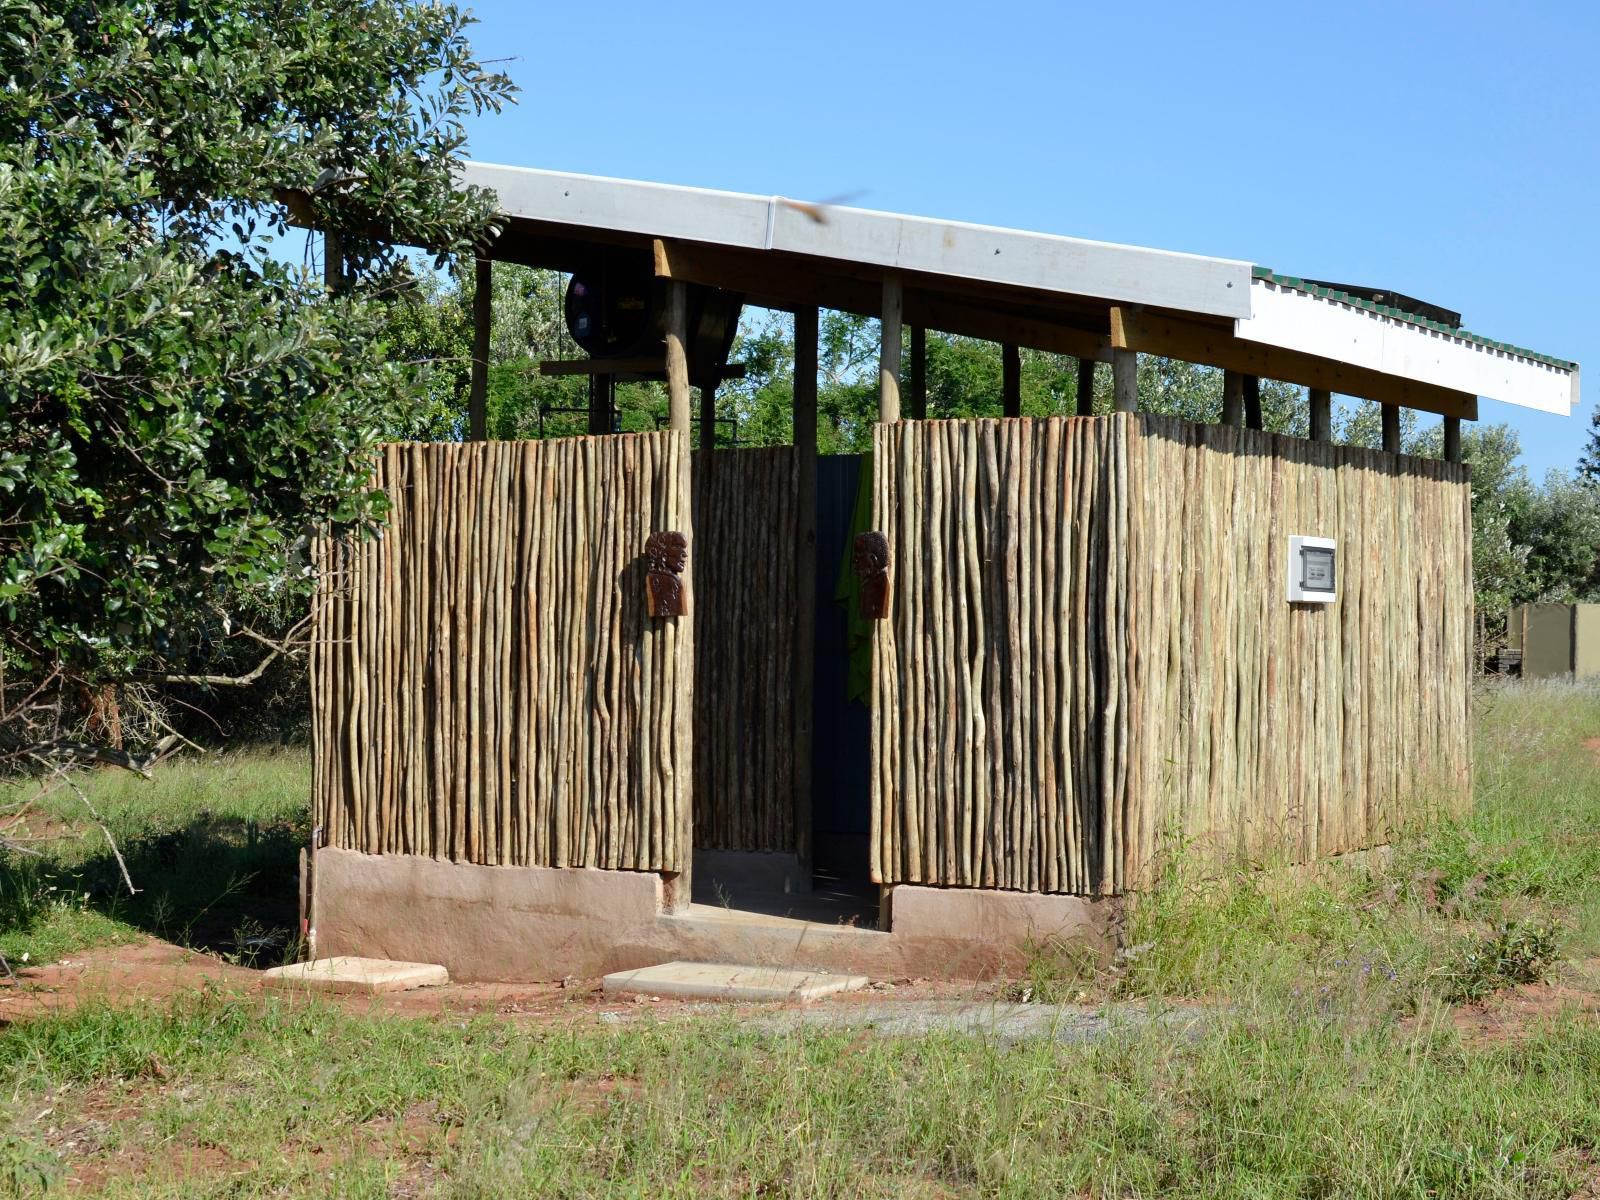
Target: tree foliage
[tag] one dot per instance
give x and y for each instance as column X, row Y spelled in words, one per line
column 179, row 407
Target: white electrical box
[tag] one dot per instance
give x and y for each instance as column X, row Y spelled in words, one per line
column 1313, row 570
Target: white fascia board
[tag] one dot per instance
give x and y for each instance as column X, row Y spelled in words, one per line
column 1008, row 257
column 1295, row 320
column 623, row 206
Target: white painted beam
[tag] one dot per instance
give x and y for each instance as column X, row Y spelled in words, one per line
column 1295, row 320
column 1009, row 257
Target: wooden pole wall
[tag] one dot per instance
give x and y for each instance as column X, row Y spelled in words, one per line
column 746, row 621
column 1090, row 648
column 487, row 686
column 1324, row 727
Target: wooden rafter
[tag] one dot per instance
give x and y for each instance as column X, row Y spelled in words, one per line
column 1172, row 336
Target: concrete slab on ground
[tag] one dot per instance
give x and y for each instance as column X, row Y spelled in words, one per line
column 727, row 981
column 1001, row 1020
column 347, row 973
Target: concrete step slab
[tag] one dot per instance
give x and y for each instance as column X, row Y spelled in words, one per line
column 347, row 973
column 729, row 981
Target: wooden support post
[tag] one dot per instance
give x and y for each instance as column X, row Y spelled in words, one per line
column 1125, row 380
column 1252, row 402
column 919, row 373
column 602, row 402
column 677, row 342
column 1321, row 405
column 482, row 316
column 1391, row 428
column 1452, row 439
column 1086, row 387
column 677, row 358
column 889, row 354
column 805, row 453
column 332, row 262
column 1232, row 398
column 1011, row 380
column 708, row 415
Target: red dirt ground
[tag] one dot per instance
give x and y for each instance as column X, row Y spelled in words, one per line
column 150, row 969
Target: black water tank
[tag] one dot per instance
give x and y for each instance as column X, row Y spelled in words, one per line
column 614, row 309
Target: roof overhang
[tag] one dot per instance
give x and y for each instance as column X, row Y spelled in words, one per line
column 950, row 250
column 1064, row 294
column 1314, row 321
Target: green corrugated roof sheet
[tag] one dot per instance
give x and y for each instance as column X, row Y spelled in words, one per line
column 1409, row 318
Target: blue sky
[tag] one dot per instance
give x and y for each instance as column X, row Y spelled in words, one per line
column 1451, row 152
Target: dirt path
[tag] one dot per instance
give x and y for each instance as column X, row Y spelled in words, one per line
column 150, row 969
column 153, row 970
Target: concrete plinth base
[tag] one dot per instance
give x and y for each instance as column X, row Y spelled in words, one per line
column 538, row 923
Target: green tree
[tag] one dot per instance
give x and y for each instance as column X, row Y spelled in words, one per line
column 180, row 409
column 1560, row 526
column 1361, row 424
column 1501, row 495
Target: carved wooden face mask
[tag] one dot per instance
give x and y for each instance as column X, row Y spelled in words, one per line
column 667, row 551
column 666, row 554
column 871, row 560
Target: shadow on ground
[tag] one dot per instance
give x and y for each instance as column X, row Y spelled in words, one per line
column 225, row 886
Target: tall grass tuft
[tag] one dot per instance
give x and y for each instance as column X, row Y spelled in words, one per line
column 1456, row 907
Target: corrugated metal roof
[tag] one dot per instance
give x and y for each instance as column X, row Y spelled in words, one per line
column 1284, row 312
column 1409, row 318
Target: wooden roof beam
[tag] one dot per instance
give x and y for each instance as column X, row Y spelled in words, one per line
column 1150, row 331
column 949, row 315
column 772, row 282
column 765, row 280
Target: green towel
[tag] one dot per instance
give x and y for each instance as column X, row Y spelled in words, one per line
column 858, row 633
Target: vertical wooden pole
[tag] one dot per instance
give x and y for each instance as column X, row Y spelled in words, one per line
column 678, row 403
column 1011, row 380
column 332, row 262
column 1391, row 428
column 1252, row 401
column 1452, row 439
column 889, row 354
column 482, row 316
column 1125, row 380
column 919, row 373
column 1232, row 398
column 708, row 414
column 805, row 615
column 1321, row 403
column 677, row 358
column 602, row 403
column 1086, row 387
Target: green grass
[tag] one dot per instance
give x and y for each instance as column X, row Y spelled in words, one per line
column 220, row 1096
column 1330, row 1067
column 212, row 845
column 1458, row 907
